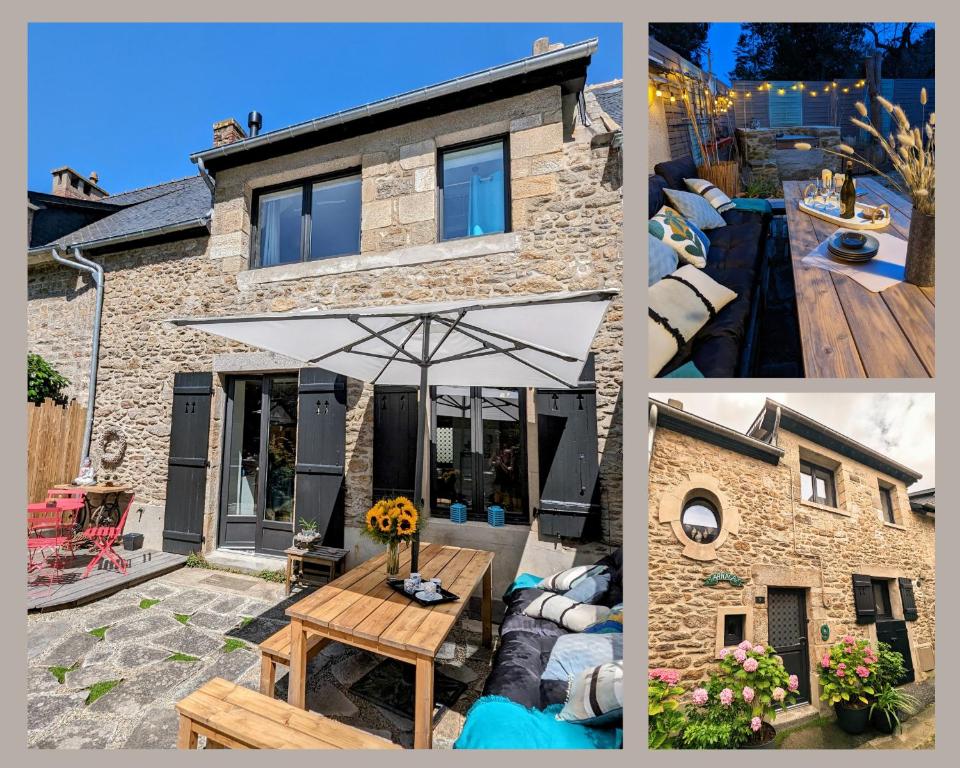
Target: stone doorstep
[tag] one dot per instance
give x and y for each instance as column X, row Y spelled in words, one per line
column 796, row 716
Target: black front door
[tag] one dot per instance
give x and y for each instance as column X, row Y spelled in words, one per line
column 787, row 631
column 257, row 497
column 893, row 632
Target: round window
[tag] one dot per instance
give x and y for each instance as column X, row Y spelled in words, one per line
column 700, row 521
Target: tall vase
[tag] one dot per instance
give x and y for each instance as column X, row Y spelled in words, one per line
column 393, row 558
column 921, row 250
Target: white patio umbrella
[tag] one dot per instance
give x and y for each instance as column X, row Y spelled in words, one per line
column 522, row 341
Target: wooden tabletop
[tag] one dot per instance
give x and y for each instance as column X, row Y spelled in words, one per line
column 846, row 330
column 360, row 604
column 95, row 489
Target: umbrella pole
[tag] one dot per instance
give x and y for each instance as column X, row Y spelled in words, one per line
column 420, row 482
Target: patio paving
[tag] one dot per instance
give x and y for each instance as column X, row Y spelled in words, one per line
column 198, row 612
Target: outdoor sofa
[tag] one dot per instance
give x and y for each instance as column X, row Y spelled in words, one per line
column 725, row 346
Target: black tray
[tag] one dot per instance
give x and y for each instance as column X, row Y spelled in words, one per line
column 446, row 597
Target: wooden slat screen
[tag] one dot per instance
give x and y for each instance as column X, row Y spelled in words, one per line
column 54, row 443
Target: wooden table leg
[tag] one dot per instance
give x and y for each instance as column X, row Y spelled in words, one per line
column 186, row 736
column 289, row 572
column 297, row 694
column 486, row 608
column 423, row 708
column 268, row 675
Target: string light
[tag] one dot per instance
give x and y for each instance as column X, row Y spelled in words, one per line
column 659, row 92
column 780, row 91
column 813, row 93
column 672, row 98
column 748, row 94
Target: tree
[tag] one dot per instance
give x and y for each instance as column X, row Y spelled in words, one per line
column 44, row 381
column 797, row 51
column 689, row 40
column 907, row 49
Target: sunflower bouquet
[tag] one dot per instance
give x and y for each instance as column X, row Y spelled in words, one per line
column 389, row 522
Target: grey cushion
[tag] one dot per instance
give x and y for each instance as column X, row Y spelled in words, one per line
column 591, row 587
column 571, row 655
column 596, row 696
column 661, row 260
column 695, row 209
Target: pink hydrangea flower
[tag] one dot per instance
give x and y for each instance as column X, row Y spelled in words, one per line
column 841, row 669
column 746, row 645
column 794, row 683
column 726, row 697
column 756, row 724
column 825, row 661
column 740, row 655
column 724, row 652
column 748, row 694
column 778, row 694
column 750, row 665
column 760, row 649
column 779, row 660
column 863, row 672
column 700, row 696
column 664, row 675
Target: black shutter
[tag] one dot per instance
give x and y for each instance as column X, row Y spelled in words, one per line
column 321, row 444
column 394, row 441
column 568, row 457
column 908, row 600
column 187, row 463
column 863, row 602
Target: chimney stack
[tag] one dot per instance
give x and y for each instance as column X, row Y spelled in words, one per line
column 678, row 404
column 227, row 132
column 68, row 183
column 543, row 45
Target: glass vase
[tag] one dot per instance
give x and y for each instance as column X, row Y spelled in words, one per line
column 393, row 558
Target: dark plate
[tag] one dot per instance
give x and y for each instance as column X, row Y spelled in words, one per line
column 853, row 240
column 446, row 597
column 864, row 253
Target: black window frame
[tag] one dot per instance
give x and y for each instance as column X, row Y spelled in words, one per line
column 737, row 637
column 503, row 139
column 883, row 607
column 886, row 504
column 829, row 477
column 701, row 501
column 306, row 215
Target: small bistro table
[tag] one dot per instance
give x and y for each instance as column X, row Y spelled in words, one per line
column 847, row 331
column 334, row 560
column 361, row 610
column 107, row 512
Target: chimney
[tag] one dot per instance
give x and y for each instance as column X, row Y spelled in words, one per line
column 254, row 123
column 543, row 45
column 678, row 404
column 68, row 183
column 226, row 132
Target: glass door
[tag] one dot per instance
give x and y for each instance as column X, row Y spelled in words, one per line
column 478, row 451
column 257, row 504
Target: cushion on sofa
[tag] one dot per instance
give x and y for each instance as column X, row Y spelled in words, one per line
column 565, row 612
column 596, row 696
column 695, row 209
column 566, row 579
column 655, row 197
column 613, row 622
column 494, row 722
column 591, row 587
column 614, row 563
column 571, row 655
column 713, row 195
column 662, row 260
column 675, row 171
column 683, row 236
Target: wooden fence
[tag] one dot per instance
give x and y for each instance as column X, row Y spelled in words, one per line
column 54, row 443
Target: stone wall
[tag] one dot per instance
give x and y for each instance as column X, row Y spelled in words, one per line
column 781, row 542
column 762, row 161
column 567, row 219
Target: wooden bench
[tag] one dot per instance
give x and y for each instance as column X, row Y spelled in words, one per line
column 234, row 717
column 276, row 650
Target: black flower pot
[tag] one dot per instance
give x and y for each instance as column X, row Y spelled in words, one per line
column 882, row 723
column 765, row 738
column 853, row 720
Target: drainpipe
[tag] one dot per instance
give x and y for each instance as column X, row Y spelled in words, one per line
column 651, row 428
column 96, row 273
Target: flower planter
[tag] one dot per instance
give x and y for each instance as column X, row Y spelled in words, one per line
column 765, row 738
column 853, row 720
column 882, row 723
column 306, row 541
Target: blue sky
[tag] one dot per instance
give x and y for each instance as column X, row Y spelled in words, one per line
column 131, row 101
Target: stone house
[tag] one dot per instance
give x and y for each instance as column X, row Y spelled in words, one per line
column 792, row 535
column 503, row 182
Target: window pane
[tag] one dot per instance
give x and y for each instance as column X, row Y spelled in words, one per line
column 244, row 459
column 335, row 210
column 806, row 485
column 887, row 502
column 473, row 191
column 700, row 521
column 821, row 485
column 453, row 470
column 279, row 225
column 281, row 450
column 504, row 474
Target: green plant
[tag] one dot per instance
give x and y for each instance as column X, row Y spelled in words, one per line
column 97, row 690
column 664, row 718
column 719, row 717
column 846, row 673
column 757, row 674
column 44, row 381
column 148, row 603
column 762, row 188
column 196, row 560
column 181, row 657
column 892, row 703
column 890, row 668
column 308, row 526
column 99, row 632
column 183, row 618
column 233, row 644
column 277, row 577
column 61, row 672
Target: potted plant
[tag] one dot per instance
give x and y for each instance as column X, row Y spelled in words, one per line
column 889, row 707
column 846, row 677
column 389, row 522
column 719, row 717
column 758, row 674
column 307, row 534
column 665, row 720
column 890, row 667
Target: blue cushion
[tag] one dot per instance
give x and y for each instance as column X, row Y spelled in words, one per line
column 494, row 722
column 591, row 587
column 662, row 260
column 686, row 371
column 613, row 622
column 524, row 581
column 578, row 651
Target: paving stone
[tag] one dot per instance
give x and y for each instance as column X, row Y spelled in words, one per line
column 150, row 685
column 79, row 731
column 43, row 708
column 157, row 729
column 41, row 635
column 101, row 652
column 228, row 604
column 188, row 640
column 187, row 602
column 229, row 666
column 40, row 680
column 256, row 631
column 219, row 622
column 135, row 655
column 336, row 650
column 226, row 581
column 399, row 723
column 89, row 674
column 472, row 626
column 110, row 616
column 151, row 624
column 71, row 650
column 328, row 700
column 458, row 672
column 447, row 651
column 353, row 667
column 155, row 590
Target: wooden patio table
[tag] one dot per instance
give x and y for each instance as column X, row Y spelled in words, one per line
column 847, row 331
column 361, row 610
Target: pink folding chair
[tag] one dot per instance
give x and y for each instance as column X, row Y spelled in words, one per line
column 103, row 537
column 46, row 534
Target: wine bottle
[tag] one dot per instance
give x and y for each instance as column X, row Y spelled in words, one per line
column 848, row 194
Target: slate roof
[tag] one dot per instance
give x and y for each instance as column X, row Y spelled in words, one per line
column 610, row 98
column 146, row 210
column 924, row 501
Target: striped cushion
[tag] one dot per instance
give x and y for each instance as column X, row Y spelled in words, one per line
column 716, row 197
column 596, row 696
column 566, row 579
column 679, row 306
column 695, row 209
column 568, row 613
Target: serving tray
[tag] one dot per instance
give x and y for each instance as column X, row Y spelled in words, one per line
column 445, row 597
column 831, row 212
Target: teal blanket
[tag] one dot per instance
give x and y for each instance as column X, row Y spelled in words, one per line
column 752, row 204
